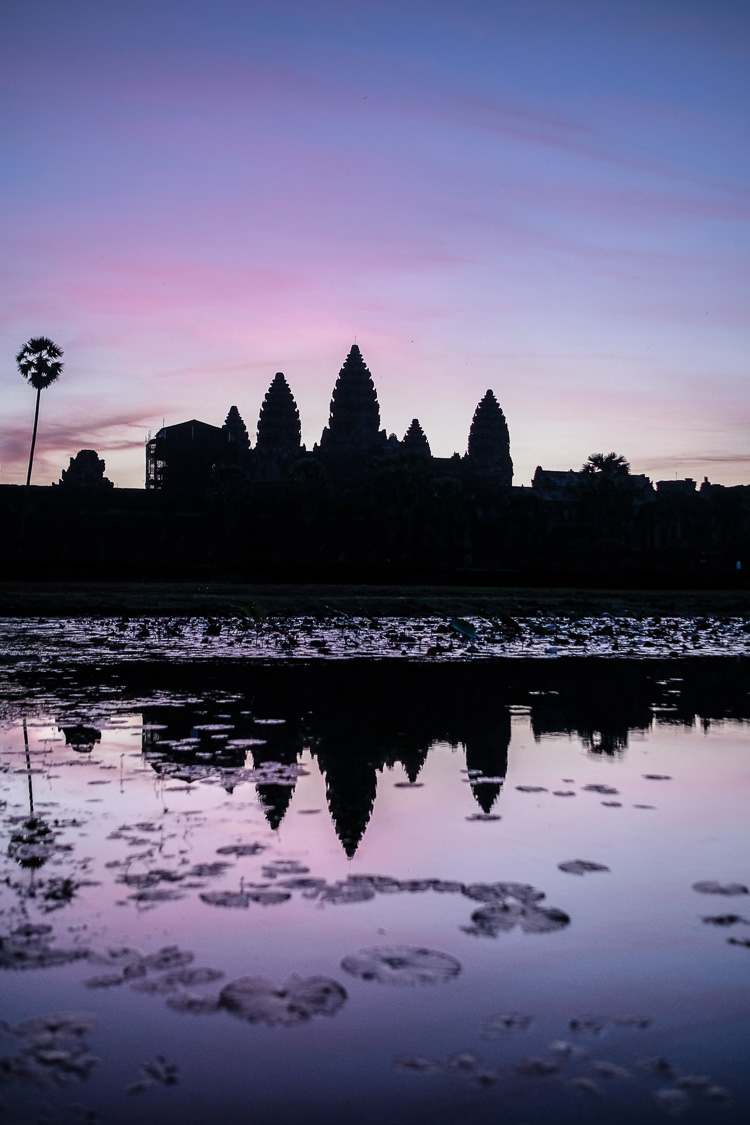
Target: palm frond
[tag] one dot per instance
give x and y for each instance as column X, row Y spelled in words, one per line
column 39, row 361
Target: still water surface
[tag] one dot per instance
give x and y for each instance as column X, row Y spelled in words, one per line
column 376, row 892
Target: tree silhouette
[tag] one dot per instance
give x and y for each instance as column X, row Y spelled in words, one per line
column 608, row 498
column 39, row 361
column 608, row 464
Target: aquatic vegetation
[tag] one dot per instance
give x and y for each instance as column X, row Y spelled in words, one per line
column 581, row 866
column 402, row 965
column 346, row 892
column 188, row 978
column 711, row 887
column 158, row 1071
column 506, row 1023
column 284, row 867
column 537, row 1067
column 500, row 892
column 102, row 640
column 187, row 823
column 602, row 1068
column 587, row 1086
column 497, row 918
column 587, row 1025
column 464, row 1062
column 257, row 1000
column 53, row 1050
column 168, row 957
column 226, row 898
column 416, row 1064
column 30, row 947
column 265, row 897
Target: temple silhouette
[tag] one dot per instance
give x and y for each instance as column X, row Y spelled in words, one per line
column 364, row 505
column 189, row 457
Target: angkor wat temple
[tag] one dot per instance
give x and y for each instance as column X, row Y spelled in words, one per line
column 366, row 506
column 191, row 456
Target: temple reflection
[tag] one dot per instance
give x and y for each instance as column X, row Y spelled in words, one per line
column 358, row 721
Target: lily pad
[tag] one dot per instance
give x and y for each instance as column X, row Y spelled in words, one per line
column 502, row 917
column 537, row 1067
column 241, row 849
column 711, row 887
column 402, row 965
column 168, row 957
column 285, row 867
column 581, row 866
column 257, row 1000
column 416, row 1064
column 340, row 893
column 505, row 1023
column 499, row 892
column 226, row 898
column 268, row 897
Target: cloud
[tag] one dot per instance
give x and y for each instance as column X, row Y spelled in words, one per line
column 58, row 440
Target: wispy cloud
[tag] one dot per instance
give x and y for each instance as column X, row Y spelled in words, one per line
column 59, row 440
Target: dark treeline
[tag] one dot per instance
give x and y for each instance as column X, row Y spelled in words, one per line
column 401, row 523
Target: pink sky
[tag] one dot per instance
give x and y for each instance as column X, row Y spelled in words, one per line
column 548, row 199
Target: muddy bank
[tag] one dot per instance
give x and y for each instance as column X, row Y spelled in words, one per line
column 220, row 599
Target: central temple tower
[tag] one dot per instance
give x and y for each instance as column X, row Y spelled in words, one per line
column 353, row 435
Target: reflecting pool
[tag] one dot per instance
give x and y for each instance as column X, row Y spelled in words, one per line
column 375, row 891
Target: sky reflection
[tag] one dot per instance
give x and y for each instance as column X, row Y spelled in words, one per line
column 219, row 927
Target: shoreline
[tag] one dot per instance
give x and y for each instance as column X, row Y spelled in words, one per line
column 227, row 599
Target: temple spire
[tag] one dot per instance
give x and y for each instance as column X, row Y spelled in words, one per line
column 489, row 442
column 235, row 429
column 353, row 432
column 415, row 441
column 279, row 430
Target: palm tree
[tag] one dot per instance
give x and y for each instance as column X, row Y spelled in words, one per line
column 39, row 361
column 608, row 464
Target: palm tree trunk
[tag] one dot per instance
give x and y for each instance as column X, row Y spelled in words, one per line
column 33, row 436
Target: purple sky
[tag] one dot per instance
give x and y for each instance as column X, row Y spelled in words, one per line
column 545, row 197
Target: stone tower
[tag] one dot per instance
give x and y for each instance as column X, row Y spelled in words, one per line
column 279, row 431
column 489, row 443
column 236, row 431
column 353, row 435
column 415, row 442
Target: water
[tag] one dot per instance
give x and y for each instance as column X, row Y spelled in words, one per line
column 390, row 890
